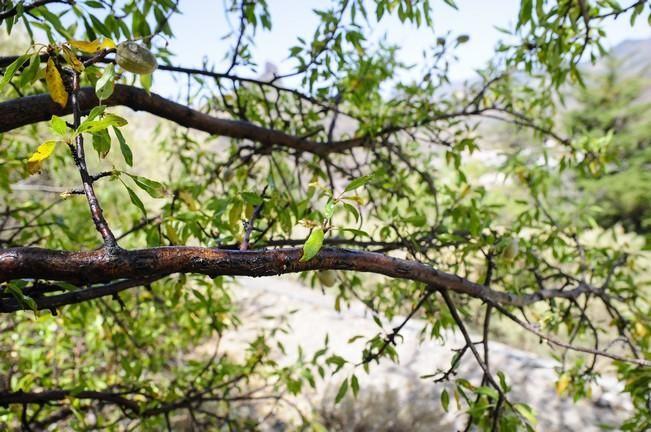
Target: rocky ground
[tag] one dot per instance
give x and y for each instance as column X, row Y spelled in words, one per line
column 396, row 389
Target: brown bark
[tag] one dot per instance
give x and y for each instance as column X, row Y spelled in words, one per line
column 105, row 265
column 33, row 109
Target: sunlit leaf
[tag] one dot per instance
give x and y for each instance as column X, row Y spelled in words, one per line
column 72, row 59
column 563, row 383
column 55, row 85
column 42, row 152
column 329, row 209
column 146, row 81
column 106, row 83
column 313, row 244
column 358, row 182
column 171, row 233
column 488, row 391
column 103, row 123
column 86, row 46
column 107, row 43
column 526, row 412
column 59, row 125
column 189, row 200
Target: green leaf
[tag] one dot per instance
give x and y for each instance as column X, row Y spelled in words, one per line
column 59, row 125
column 11, row 70
column 524, row 16
column 124, row 147
column 102, row 143
column 526, row 412
column 488, row 391
column 503, row 384
column 235, row 215
column 136, row 201
column 153, row 188
column 99, row 25
column 29, row 74
column 105, row 122
column 352, row 210
column 343, row 388
column 95, row 112
column 354, row 385
column 25, row 301
column 329, row 208
column 445, row 400
column 106, row 83
column 417, row 220
column 252, row 198
column 336, row 360
column 355, row 231
column 313, row 244
column 358, row 182
column 146, row 81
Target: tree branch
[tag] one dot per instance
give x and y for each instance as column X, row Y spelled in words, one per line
column 33, row 109
column 86, row 179
column 100, row 266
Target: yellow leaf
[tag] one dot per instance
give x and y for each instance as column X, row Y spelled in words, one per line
column 107, row 44
column 562, row 384
column 640, row 329
column 55, row 85
column 42, row 152
column 172, row 235
column 72, row 59
column 85, row 46
column 189, row 200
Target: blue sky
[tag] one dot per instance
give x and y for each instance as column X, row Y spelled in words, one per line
column 200, row 28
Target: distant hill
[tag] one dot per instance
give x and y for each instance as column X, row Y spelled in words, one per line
column 634, row 58
column 635, row 55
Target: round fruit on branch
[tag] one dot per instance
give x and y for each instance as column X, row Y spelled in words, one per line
column 135, row 58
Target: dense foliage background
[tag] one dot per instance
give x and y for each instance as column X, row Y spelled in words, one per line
column 515, row 202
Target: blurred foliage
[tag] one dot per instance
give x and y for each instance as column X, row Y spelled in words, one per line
column 621, row 189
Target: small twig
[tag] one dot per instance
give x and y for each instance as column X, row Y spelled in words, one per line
column 251, row 222
column 87, row 180
column 618, row 12
column 390, row 339
column 466, row 336
column 552, row 340
column 242, row 30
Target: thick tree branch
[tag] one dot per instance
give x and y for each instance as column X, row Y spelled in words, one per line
column 33, row 109
column 20, row 397
column 100, row 266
